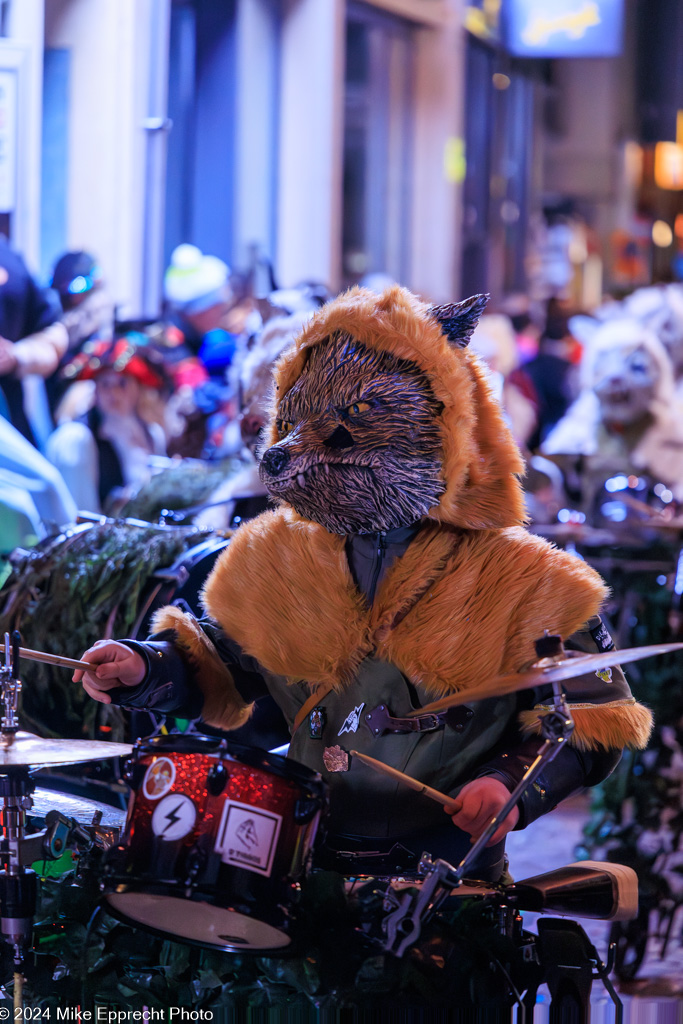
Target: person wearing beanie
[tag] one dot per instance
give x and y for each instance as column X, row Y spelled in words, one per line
column 197, row 291
column 213, row 319
column 87, row 308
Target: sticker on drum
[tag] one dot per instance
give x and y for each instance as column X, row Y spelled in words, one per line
column 159, row 778
column 247, row 837
column 174, row 817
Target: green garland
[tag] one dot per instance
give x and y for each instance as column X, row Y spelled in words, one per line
column 85, row 957
column 177, row 487
column 636, row 815
column 85, row 585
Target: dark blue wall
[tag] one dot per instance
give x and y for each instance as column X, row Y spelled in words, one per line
column 55, row 158
column 200, row 169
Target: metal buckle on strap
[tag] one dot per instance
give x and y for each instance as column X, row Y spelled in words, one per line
column 397, row 858
column 379, row 721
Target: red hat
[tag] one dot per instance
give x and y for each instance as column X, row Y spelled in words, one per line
column 123, row 355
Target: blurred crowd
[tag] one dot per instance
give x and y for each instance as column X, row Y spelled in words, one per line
column 596, row 408
column 93, row 407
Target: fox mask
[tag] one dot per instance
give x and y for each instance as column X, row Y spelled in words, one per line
column 359, row 441
column 360, row 449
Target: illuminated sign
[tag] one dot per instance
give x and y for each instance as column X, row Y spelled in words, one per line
column 482, row 19
column 564, row 28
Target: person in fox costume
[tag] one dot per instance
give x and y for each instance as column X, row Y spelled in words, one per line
column 393, row 570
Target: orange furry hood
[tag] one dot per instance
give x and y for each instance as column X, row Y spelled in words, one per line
column 481, row 460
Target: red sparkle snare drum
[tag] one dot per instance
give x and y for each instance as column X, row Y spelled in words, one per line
column 216, row 838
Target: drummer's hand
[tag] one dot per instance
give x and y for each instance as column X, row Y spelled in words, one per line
column 477, row 803
column 114, row 665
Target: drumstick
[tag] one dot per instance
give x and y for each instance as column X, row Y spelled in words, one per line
column 50, row 659
column 420, row 787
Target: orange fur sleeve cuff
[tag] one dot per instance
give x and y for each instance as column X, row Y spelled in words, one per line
column 610, row 726
column 223, row 705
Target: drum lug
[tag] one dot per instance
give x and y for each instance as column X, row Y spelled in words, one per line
column 305, row 809
column 194, row 865
column 132, row 772
column 217, row 779
column 113, row 866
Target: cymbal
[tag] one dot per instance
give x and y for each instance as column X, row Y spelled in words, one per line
column 630, row 533
column 80, row 808
column 579, row 533
column 24, row 750
column 551, row 670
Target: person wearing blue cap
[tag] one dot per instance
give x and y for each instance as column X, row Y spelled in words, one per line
column 87, row 312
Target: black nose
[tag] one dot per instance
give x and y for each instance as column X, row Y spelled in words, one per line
column 275, row 460
column 339, row 438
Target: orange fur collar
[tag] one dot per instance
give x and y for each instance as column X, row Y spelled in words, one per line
column 457, row 609
column 283, row 591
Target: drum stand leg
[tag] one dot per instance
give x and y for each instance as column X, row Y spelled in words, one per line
column 569, row 960
column 18, row 884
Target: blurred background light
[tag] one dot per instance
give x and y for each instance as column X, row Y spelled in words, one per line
column 662, row 235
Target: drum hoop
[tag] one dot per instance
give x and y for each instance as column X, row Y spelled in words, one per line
column 252, row 757
column 281, row 952
column 196, row 553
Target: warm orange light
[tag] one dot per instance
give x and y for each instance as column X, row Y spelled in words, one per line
column 662, row 235
column 669, row 166
column 678, row 225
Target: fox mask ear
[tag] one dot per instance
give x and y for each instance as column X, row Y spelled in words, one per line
column 458, row 319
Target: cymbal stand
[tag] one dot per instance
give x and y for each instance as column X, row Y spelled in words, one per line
column 556, row 728
column 10, row 685
column 18, row 884
column 403, row 924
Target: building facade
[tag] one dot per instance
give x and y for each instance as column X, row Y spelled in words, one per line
column 329, row 139
column 239, row 125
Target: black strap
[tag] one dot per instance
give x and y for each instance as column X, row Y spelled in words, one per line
column 379, row 721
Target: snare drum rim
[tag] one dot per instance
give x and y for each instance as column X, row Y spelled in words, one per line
column 252, row 757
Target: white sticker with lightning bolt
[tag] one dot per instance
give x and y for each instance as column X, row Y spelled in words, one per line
column 174, row 817
column 247, row 837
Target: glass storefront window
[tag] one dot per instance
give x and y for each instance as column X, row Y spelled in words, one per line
column 377, row 146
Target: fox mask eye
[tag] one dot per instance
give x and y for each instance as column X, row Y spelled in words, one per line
column 284, row 427
column 357, row 407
